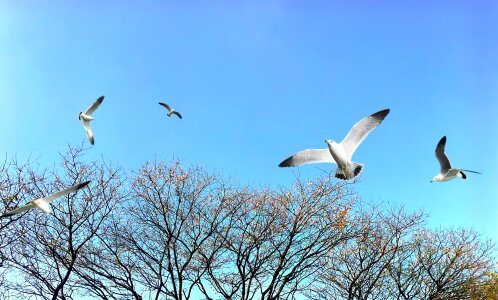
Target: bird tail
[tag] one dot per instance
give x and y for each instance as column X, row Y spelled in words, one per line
column 471, row 171
column 462, row 175
column 348, row 172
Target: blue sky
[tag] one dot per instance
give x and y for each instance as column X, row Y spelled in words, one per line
column 257, row 81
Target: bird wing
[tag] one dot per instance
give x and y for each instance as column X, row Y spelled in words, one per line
column 18, row 210
column 165, row 105
column 360, row 130
column 73, row 188
column 308, row 156
column 89, row 132
column 177, row 113
column 441, row 156
column 94, row 106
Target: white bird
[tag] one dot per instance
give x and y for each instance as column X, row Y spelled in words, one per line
column 43, row 203
column 340, row 153
column 87, row 117
column 171, row 111
column 447, row 172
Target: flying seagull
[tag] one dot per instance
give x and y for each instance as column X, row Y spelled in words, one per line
column 43, row 203
column 447, row 172
column 87, row 117
column 340, row 153
column 171, row 111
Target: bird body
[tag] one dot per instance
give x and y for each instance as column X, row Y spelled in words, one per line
column 346, row 169
column 171, row 111
column 87, row 117
column 340, row 153
column 43, row 205
column 449, row 175
column 447, row 172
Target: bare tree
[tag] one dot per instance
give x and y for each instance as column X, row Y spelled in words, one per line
column 443, row 264
column 358, row 268
column 14, row 178
column 189, row 231
column 277, row 239
column 49, row 245
column 179, row 232
column 108, row 268
column 174, row 214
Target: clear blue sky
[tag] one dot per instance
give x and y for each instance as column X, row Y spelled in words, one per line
column 257, row 81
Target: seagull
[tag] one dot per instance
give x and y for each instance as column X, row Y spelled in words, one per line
column 171, row 111
column 340, row 153
column 447, row 172
column 87, row 117
column 43, row 203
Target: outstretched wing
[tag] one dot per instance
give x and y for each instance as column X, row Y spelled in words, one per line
column 89, row 132
column 165, row 105
column 441, row 156
column 308, row 156
column 360, row 130
column 177, row 113
column 71, row 189
column 94, row 106
column 18, row 210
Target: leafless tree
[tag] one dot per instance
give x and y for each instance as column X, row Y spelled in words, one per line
column 14, row 178
column 189, row 231
column 49, row 245
column 108, row 268
column 358, row 268
column 443, row 264
column 174, row 213
column 174, row 232
column 277, row 239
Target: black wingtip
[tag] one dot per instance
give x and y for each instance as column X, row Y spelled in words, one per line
column 5, row 216
column 100, row 99
column 286, row 163
column 83, row 184
column 442, row 141
column 381, row 114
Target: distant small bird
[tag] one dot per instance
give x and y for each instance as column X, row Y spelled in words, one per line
column 341, row 153
column 447, row 172
column 87, row 117
column 171, row 111
column 43, row 203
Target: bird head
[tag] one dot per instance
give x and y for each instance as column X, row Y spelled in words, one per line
column 330, row 143
column 436, row 178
